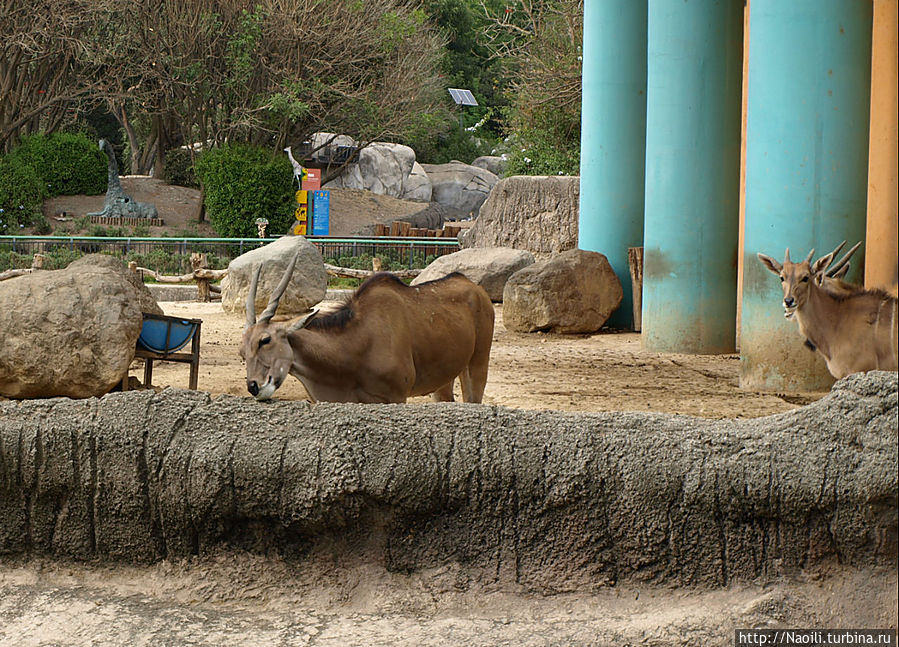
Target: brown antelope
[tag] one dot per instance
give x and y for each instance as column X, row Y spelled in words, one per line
column 390, row 341
column 854, row 330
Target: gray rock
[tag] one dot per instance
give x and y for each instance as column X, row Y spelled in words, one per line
column 535, row 500
column 69, row 332
column 493, row 163
column 461, row 186
column 382, row 167
column 489, row 267
column 572, row 292
column 536, row 213
column 417, row 186
column 307, row 286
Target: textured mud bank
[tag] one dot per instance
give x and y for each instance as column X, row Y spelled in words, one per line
column 546, row 501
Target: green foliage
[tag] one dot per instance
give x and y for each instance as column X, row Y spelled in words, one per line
column 66, row 163
column 438, row 142
column 179, row 168
column 396, row 28
column 40, row 225
column 540, row 152
column 439, row 137
column 242, row 183
column 21, row 194
column 545, row 110
column 54, row 259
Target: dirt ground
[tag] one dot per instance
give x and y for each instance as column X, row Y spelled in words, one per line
column 600, row 372
column 603, row 372
column 242, row 599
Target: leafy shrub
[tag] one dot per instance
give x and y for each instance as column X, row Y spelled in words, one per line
column 242, row 183
column 21, row 195
column 66, row 163
column 541, row 153
column 179, row 168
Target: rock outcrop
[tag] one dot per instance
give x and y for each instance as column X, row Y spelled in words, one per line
column 489, row 267
column 571, row 292
column 307, row 285
column 70, row 332
column 383, row 168
column 493, row 163
column 536, row 213
column 461, row 186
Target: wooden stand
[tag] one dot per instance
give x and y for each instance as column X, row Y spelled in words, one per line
column 635, row 263
column 192, row 357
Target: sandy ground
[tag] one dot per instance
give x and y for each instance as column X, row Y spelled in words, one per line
column 600, row 372
column 242, row 599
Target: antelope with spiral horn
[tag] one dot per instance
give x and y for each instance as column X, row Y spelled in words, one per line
column 390, row 341
column 853, row 328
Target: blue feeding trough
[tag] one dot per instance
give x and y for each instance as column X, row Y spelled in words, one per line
column 162, row 334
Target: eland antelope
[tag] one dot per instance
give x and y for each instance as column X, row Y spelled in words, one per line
column 390, row 341
column 854, row 329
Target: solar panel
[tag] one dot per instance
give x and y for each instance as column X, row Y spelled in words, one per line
column 462, row 97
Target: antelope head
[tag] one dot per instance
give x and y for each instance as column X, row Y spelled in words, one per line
column 796, row 278
column 265, row 346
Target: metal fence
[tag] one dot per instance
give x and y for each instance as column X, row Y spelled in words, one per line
column 173, row 254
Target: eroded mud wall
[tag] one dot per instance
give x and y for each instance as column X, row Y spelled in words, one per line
column 550, row 500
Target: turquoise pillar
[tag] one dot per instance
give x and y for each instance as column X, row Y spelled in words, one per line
column 692, row 175
column 806, row 167
column 613, row 131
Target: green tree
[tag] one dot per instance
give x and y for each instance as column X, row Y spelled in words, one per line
column 541, row 44
column 266, row 73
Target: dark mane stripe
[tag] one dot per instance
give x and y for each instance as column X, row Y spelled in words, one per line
column 338, row 319
column 875, row 292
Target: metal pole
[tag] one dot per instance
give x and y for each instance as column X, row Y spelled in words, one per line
column 692, row 175
column 613, row 133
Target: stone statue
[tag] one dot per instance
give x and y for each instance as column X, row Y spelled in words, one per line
column 117, row 203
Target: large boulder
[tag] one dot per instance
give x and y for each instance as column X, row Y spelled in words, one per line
column 383, row 168
column 536, row 213
column 418, row 185
column 489, row 267
column 493, row 163
column 145, row 299
column 572, row 292
column 307, row 285
column 461, row 186
column 70, row 332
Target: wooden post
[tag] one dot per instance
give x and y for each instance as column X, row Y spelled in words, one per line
column 199, row 261
column 635, row 263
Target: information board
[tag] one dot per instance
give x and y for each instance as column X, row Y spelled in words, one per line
column 321, row 211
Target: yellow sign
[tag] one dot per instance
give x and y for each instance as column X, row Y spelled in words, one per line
column 302, row 196
column 301, row 212
column 299, row 229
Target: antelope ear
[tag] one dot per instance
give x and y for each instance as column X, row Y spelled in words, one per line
column 821, row 264
column 770, row 263
column 301, row 323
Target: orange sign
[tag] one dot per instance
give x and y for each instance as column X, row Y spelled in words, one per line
column 313, row 179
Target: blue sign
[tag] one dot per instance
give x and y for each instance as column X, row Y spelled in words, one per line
column 321, row 209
